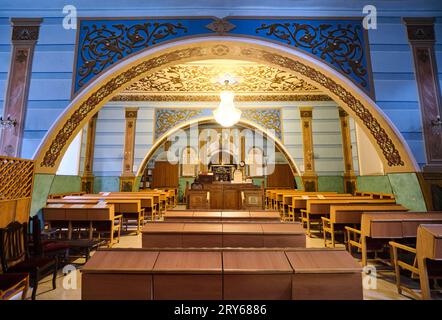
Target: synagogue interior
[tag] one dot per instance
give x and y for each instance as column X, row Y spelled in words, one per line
column 220, row 150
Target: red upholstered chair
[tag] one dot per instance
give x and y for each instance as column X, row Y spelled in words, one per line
column 15, row 256
column 12, row 284
column 46, row 247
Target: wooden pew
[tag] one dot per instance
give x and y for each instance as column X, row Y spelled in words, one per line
column 299, row 202
column 244, row 274
column 375, row 195
column 316, row 209
column 100, row 217
column 221, row 235
column 350, row 214
column 150, row 200
column 283, row 199
column 62, row 195
column 378, row 228
column 428, row 259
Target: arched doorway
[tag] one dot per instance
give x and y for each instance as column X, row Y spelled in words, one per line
column 386, row 139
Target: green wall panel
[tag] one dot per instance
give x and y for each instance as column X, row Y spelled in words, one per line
column 45, row 184
column 407, row 190
column 42, row 185
column 62, row 184
column 108, row 184
column 182, row 186
column 374, row 184
column 331, row 183
column 137, row 183
column 299, row 184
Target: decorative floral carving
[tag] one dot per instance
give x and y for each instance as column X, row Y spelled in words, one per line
column 385, row 143
column 188, row 79
column 25, row 33
column 341, row 45
column 166, row 119
column 103, row 45
column 104, row 92
column 267, row 118
column 220, row 26
column 21, row 56
column 238, row 98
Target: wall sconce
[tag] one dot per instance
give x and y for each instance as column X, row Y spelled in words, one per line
column 8, row 123
column 436, row 125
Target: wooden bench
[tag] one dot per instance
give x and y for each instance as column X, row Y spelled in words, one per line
column 150, row 201
column 316, row 209
column 350, row 215
column 299, row 203
column 378, row 228
column 427, row 259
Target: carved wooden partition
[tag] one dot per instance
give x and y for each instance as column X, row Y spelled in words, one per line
column 16, row 182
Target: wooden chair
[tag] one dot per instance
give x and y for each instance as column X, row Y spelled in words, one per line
column 413, row 268
column 12, row 284
column 307, row 221
column 403, row 265
column 42, row 245
column 15, row 256
column 101, row 228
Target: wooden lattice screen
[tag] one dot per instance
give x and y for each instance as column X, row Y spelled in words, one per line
column 16, row 178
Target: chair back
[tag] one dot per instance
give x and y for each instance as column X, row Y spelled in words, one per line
column 36, row 236
column 13, row 244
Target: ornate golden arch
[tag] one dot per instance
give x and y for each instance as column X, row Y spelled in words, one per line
column 389, row 144
column 243, row 123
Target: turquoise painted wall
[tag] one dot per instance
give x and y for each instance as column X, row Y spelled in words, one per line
column 407, row 190
column 405, row 187
column 106, row 184
column 45, row 184
column 331, row 183
column 374, row 184
column 182, row 186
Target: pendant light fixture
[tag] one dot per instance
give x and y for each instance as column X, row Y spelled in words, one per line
column 227, row 114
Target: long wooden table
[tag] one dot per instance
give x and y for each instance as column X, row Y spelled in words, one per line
column 380, row 227
column 146, row 203
column 219, row 235
column 129, row 207
column 206, row 274
column 218, row 216
column 100, row 216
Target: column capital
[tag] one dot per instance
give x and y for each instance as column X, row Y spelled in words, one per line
column 306, row 112
column 25, row 29
column 131, row 112
column 420, row 29
column 342, row 113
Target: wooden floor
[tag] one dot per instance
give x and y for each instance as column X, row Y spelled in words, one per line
column 386, row 288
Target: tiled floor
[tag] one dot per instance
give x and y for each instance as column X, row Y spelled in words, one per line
column 66, row 288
